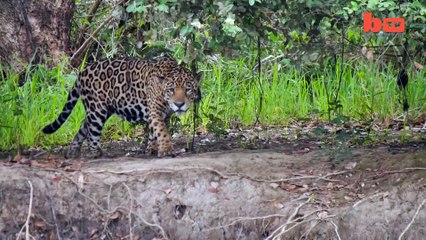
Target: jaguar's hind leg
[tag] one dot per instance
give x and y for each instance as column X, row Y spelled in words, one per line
column 75, row 147
column 95, row 123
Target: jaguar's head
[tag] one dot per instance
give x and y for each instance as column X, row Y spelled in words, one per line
column 179, row 86
column 181, row 89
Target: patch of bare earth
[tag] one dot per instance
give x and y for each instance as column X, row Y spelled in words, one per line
column 280, row 190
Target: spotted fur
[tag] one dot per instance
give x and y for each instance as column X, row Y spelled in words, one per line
column 140, row 91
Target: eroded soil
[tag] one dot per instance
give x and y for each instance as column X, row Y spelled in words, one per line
column 265, row 184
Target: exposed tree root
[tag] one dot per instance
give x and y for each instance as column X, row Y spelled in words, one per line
column 222, row 175
column 27, row 222
column 412, row 220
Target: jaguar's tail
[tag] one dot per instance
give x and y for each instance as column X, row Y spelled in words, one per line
column 73, row 96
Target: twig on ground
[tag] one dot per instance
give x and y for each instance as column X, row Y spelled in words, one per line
column 308, row 231
column 407, row 170
column 58, row 233
column 290, row 219
column 109, row 196
column 240, row 219
column 336, row 230
column 296, row 211
column 35, row 156
column 412, row 219
column 368, row 198
column 55, row 221
column 293, row 222
column 298, row 223
column 27, row 222
column 404, row 170
column 155, row 225
column 301, row 177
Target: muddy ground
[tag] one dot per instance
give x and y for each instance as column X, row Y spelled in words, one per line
column 257, row 184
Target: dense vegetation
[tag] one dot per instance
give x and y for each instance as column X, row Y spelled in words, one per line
column 267, row 62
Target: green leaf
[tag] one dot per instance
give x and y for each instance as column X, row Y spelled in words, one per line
column 251, row 2
column 117, row 12
column 372, row 4
column 224, row 9
column 184, row 31
column 229, row 26
column 159, row 43
column 230, row 19
column 273, row 37
column 196, row 23
column 136, row 6
column 314, row 56
column 326, row 23
column 231, row 30
column 355, row 6
column 162, row 8
column 349, row 10
column 197, row 45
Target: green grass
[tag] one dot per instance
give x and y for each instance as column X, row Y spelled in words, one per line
column 230, row 93
column 27, row 109
column 367, row 93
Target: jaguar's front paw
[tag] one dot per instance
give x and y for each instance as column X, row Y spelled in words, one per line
column 151, row 148
column 166, row 150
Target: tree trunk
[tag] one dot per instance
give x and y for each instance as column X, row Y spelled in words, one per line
column 31, row 29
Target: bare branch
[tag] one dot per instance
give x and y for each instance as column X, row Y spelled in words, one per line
column 75, row 57
column 86, row 43
column 83, row 29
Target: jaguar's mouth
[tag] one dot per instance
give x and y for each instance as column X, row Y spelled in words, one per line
column 180, row 112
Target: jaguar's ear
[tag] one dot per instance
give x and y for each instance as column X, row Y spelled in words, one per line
column 169, row 57
column 182, row 64
column 198, row 76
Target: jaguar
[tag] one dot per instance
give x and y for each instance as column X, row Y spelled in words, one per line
column 138, row 90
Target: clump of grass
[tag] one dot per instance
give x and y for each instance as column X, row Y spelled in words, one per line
column 28, row 108
column 367, row 93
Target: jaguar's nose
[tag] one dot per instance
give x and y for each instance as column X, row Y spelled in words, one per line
column 179, row 104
